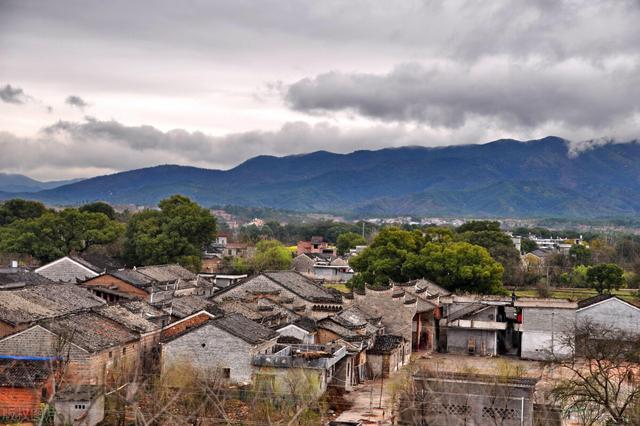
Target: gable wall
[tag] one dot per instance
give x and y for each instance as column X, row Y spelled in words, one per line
column 221, row 350
column 613, row 314
column 109, row 280
column 66, row 271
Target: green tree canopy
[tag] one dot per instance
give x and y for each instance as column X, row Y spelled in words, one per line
column 605, row 277
column 580, row 254
column 56, row 234
column 349, row 240
column 399, row 255
column 271, row 255
column 479, row 225
column 174, row 234
column 528, row 245
column 99, row 207
column 499, row 245
column 15, row 209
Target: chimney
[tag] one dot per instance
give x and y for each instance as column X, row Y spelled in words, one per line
column 14, row 264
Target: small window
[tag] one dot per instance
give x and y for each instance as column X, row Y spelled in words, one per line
column 226, row 373
column 110, row 354
column 124, row 351
column 44, row 393
column 203, row 345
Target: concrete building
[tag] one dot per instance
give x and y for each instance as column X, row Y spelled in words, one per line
column 609, row 312
column 314, row 363
column 479, row 325
column 79, row 406
column 545, row 323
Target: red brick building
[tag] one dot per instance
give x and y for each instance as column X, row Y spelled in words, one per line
column 25, row 383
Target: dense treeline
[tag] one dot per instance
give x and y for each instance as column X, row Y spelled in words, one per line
column 476, row 256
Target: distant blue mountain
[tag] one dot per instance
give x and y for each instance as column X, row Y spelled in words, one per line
column 20, row 183
column 536, row 178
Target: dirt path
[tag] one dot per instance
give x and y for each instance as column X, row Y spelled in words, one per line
column 366, row 404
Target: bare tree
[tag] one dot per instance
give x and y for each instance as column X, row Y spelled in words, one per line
column 602, row 373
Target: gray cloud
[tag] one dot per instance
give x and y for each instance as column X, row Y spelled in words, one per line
column 574, row 94
column 13, row 95
column 68, row 149
column 74, row 149
column 76, row 101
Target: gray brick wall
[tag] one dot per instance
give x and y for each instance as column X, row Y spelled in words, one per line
column 220, row 350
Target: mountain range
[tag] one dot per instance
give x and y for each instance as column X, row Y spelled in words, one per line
column 10, row 182
column 508, row 178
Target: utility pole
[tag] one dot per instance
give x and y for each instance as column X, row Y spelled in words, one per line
column 363, row 229
column 381, row 388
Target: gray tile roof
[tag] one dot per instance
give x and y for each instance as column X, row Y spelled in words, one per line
column 19, row 276
column 164, row 273
column 143, row 308
column 332, row 325
column 133, row 277
column 303, row 286
column 184, row 306
column 386, row 343
column 242, row 327
column 68, row 269
column 90, row 331
column 39, row 302
column 87, row 264
column 101, row 262
column 136, row 322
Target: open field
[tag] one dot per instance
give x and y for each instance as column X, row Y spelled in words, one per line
column 579, row 293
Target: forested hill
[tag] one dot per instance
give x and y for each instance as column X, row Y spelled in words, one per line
column 501, row 178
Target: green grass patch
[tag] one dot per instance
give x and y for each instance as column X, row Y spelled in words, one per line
column 340, row 287
column 578, row 293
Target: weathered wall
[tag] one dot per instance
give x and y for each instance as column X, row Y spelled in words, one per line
column 66, row 412
column 543, row 330
column 122, row 286
column 209, row 347
column 298, row 333
column 612, row 314
column 81, row 367
column 458, row 340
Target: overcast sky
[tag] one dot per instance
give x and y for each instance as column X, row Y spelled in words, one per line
column 92, row 87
